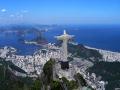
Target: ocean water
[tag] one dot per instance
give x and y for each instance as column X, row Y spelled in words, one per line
column 105, row 37
column 16, row 41
column 99, row 36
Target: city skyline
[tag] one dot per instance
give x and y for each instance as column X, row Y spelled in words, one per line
column 60, row 11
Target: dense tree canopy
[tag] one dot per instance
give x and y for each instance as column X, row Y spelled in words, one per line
column 109, row 71
column 80, row 51
column 48, row 70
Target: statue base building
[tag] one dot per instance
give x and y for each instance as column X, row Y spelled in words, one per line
column 64, row 53
column 64, row 65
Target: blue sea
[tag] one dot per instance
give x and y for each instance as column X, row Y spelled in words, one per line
column 99, row 36
column 103, row 37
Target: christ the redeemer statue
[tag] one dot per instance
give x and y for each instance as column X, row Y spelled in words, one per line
column 65, row 38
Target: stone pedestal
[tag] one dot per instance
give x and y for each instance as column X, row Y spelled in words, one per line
column 64, row 65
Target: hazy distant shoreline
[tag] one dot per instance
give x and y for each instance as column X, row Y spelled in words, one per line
column 104, row 37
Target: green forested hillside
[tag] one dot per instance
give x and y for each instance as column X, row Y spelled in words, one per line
column 80, row 51
column 109, row 71
column 8, row 81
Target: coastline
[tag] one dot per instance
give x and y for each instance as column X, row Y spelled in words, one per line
column 108, row 56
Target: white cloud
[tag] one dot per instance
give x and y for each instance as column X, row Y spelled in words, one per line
column 12, row 15
column 24, row 11
column 3, row 10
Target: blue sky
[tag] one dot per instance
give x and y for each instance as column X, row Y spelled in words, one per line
column 60, row 11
